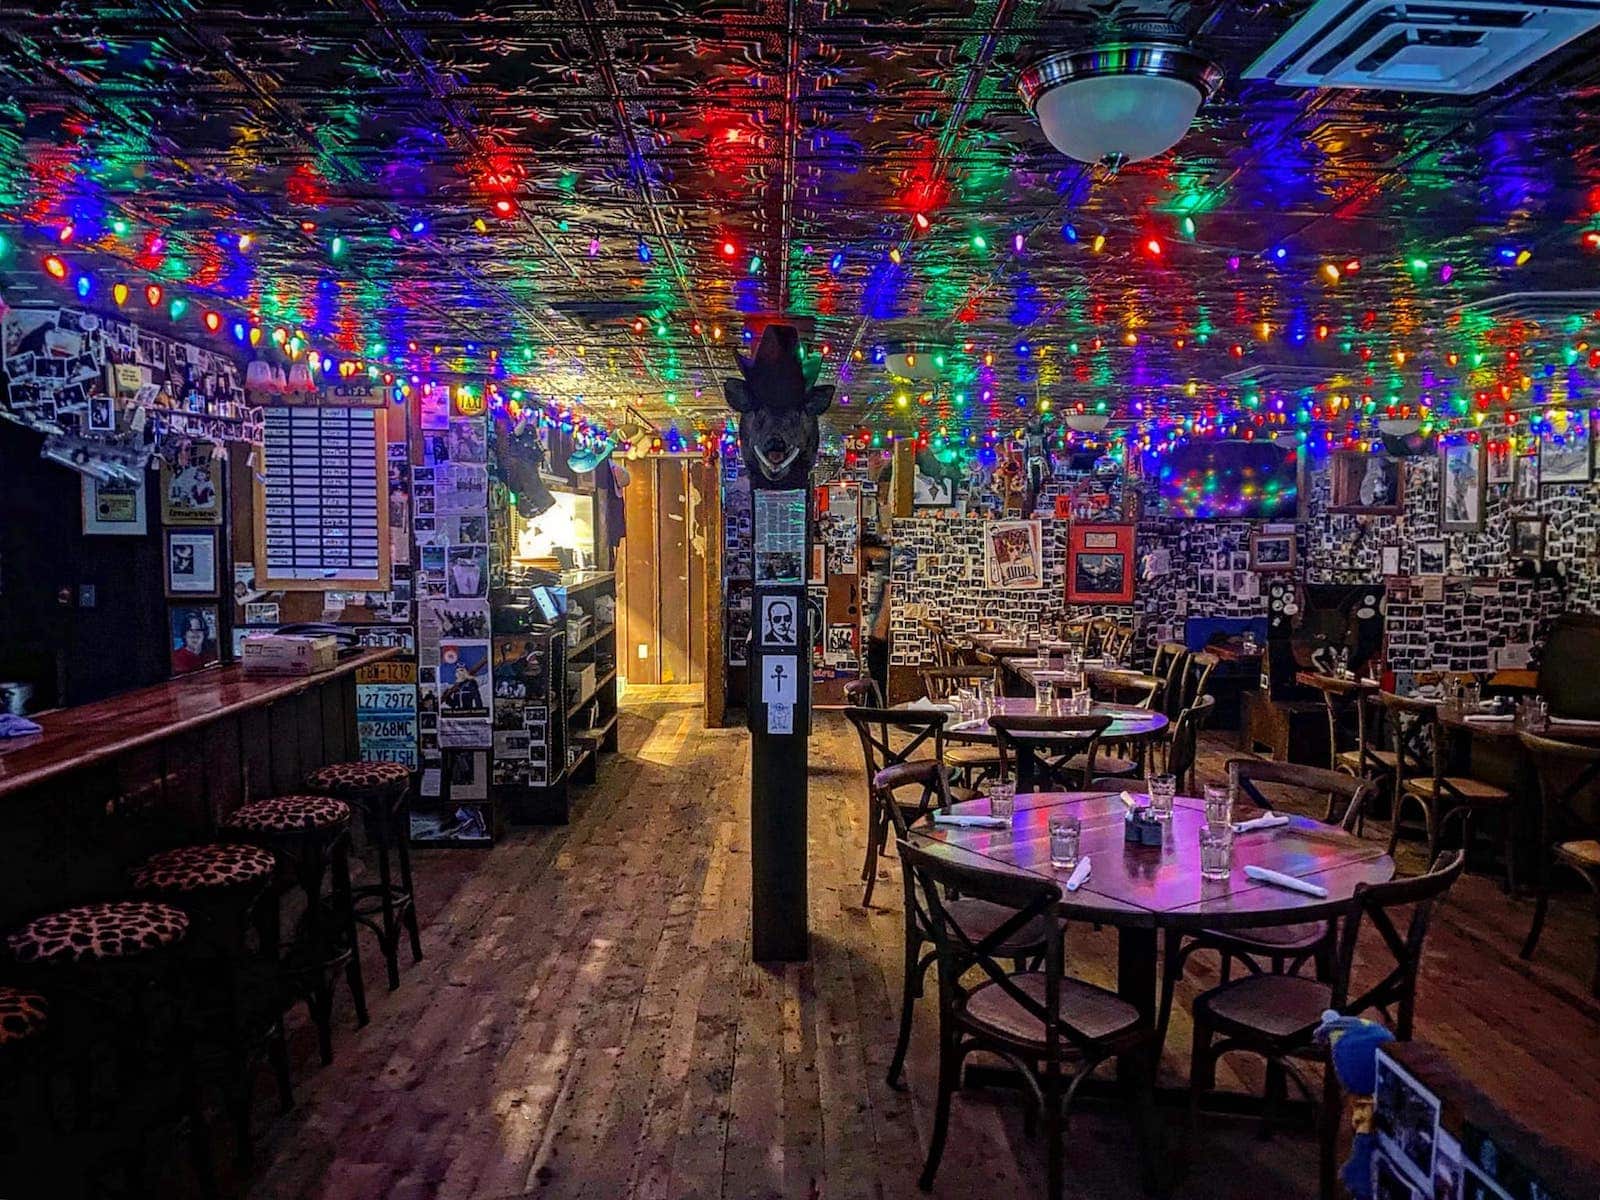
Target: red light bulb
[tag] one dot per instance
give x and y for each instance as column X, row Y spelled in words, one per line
column 213, row 321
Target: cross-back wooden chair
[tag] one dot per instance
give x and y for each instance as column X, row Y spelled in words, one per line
column 908, row 792
column 1043, row 1022
column 1422, row 777
column 1117, row 642
column 940, row 639
column 1197, row 675
column 1344, row 702
column 1049, row 753
column 1167, row 666
column 970, row 761
column 881, row 731
column 1284, row 948
column 1276, row 1016
column 1567, row 836
column 1183, row 743
column 864, row 693
column 1099, row 629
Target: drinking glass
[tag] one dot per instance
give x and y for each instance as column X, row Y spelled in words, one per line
column 1471, row 696
column 1002, row 799
column 1065, row 833
column 1219, row 805
column 986, row 696
column 1044, row 696
column 1216, row 851
column 1081, row 703
column 965, row 701
column 1161, row 788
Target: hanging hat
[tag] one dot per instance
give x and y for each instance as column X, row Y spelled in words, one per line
column 587, row 458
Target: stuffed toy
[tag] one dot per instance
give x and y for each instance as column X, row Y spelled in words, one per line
column 1353, row 1049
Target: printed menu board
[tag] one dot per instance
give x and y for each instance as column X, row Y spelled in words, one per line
column 322, row 511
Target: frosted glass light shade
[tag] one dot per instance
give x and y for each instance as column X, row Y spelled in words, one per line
column 1133, row 117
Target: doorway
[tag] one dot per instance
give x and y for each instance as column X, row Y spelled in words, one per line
column 661, row 578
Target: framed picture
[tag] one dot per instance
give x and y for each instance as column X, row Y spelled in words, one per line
column 1525, row 483
column 1564, row 454
column 1432, row 556
column 1389, row 561
column 1271, row 552
column 936, row 486
column 192, row 494
column 1099, row 563
column 1502, row 463
column 1461, row 486
column 193, row 641
column 780, row 622
column 1527, row 539
column 114, row 508
column 1365, row 483
column 1013, row 555
column 192, row 563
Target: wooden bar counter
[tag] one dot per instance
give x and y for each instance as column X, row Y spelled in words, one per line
column 105, row 783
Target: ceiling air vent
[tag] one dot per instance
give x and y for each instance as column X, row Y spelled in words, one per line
column 1458, row 48
column 1284, row 377
column 591, row 313
column 1545, row 308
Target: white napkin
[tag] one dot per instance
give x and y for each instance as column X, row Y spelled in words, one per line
column 971, row 821
column 1278, row 879
column 1575, row 722
column 1269, row 821
column 923, row 704
column 1127, row 798
column 1079, row 874
column 1490, row 717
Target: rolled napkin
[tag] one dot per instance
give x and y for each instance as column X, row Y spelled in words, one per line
column 1575, row 722
column 1127, row 798
column 1268, row 821
column 1278, row 879
column 970, row 821
column 1079, row 874
column 1491, row 717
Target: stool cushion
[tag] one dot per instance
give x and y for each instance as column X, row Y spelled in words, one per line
column 201, row 868
column 118, row 929
column 22, row 1014
column 290, row 814
column 338, row 779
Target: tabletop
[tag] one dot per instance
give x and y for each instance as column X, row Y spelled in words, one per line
column 85, row 734
column 1485, row 726
column 1161, row 887
column 1129, row 723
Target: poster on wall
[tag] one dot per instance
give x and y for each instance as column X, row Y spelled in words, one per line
column 193, row 642
column 1099, row 563
column 780, row 536
column 464, row 693
column 1461, row 486
column 1564, row 454
column 191, row 493
column 1013, row 556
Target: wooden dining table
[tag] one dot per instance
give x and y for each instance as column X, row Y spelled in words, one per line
column 1129, row 723
column 1143, row 891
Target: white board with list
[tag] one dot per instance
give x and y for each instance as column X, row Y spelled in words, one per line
column 322, row 512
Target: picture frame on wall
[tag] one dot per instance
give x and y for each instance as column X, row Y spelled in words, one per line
column 1525, row 483
column 1389, row 561
column 192, row 564
column 1100, row 563
column 1501, row 463
column 1433, row 554
column 1566, row 455
column 1461, row 486
column 1366, row 483
column 1271, row 552
column 193, row 641
column 1527, row 539
column 114, row 509
column 191, row 493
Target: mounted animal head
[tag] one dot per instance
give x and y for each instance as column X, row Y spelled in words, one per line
column 778, row 402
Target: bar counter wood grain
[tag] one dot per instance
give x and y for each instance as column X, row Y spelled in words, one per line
column 87, row 734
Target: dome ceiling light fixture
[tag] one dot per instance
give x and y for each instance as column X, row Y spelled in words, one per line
column 1121, row 102
column 914, row 361
column 1087, row 422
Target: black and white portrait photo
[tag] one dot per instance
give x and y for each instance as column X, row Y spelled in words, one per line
column 780, row 622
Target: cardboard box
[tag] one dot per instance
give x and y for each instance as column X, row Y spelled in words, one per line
column 280, row 654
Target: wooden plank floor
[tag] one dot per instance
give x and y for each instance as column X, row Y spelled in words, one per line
column 587, row 1023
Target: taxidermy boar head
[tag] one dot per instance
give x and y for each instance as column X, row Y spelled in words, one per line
column 778, row 402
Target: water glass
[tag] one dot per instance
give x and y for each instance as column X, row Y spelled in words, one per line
column 1533, row 714
column 1471, row 696
column 1081, row 703
column 1161, row 789
column 985, row 697
column 1002, row 799
column 1219, row 805
column 1216, row 851
column 1044, row 696
column 1065, row 834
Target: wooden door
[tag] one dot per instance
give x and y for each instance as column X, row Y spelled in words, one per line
column 662, row 572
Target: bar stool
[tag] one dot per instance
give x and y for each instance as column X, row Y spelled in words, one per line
column 312, row 835
column 222, row 888
column 382, row 791
column 24, row 1016
column 114, row 975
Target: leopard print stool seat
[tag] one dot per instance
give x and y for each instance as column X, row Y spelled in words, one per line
column 357, row 779
column 22, row 1015
column 203, row 868
column 118, row 929
column 290, row 814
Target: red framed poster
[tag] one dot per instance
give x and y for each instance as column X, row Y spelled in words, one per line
column 1099, row 563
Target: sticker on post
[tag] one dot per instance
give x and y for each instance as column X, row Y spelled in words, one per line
column 778, row 679
column 780, row 718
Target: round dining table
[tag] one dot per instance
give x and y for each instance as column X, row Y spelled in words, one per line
column 1142, row 891
column 1129, row 723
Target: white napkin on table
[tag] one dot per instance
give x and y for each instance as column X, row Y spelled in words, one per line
column 971, row 821
column 1489, row 717
column 923, row 704
column 1268, row 821
column 1278, row 879
column 1079, row 874
column 1575, row 722
column 1127, row 798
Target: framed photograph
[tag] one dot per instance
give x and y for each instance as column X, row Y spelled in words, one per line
column 1013, row 555
column 1564, row 455
column 193, row 641
column 1389, row 561
column 1461, row 486
column 1365, row 483
column 1432, row 556
column 1525, row 484
column 1271, row 552
column 1502, row 463
column 192, row 563
column 1100, row 565
column 192, row 494
column 938, row 489
column 114, row 508
column 1527, row 539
